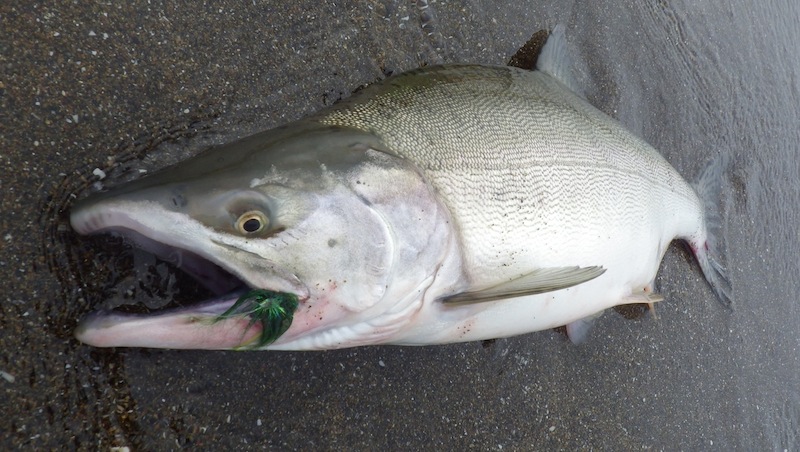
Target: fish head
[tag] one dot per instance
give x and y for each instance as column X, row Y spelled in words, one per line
column 353, row 231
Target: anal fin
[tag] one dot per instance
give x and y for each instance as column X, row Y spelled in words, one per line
column 647, row 298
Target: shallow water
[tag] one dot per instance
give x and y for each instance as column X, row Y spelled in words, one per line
column 147, row 85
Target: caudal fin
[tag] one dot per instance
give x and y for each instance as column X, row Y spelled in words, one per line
column 709, row 248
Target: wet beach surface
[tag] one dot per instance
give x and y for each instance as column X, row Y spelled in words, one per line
column 97, row 89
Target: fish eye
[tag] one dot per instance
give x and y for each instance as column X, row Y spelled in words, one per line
column 252, row 222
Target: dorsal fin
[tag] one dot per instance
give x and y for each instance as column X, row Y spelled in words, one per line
column 539, row 281
column 554, row 59
column 528, row 54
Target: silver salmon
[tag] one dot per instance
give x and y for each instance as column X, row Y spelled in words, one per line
column 446, row 204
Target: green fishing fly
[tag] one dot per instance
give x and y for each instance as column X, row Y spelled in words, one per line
column 274, row 310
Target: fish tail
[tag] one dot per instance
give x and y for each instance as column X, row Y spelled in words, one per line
column 708, row 246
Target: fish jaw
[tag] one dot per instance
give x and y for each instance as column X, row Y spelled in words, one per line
column 197, row 327
column 152, row 223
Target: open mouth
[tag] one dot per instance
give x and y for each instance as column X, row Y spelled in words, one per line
column 208, row 275
column 232, row 314
column 154, row 276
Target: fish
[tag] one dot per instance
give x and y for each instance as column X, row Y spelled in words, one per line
column 446, row 204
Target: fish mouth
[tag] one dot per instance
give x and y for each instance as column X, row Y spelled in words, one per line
column 200, row 325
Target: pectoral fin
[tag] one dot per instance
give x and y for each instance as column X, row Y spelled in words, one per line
column 539, row 281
